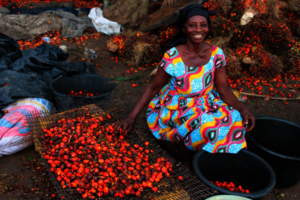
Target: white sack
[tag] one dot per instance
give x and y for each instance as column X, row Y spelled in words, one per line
column 103, row 25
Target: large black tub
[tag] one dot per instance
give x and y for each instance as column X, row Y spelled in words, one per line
column 89, row 82
column 244, row 168
column 278, row 142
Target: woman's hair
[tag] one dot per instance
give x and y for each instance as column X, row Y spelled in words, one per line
column 184, row 15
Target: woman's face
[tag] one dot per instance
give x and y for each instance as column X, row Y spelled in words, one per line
column 196, row 28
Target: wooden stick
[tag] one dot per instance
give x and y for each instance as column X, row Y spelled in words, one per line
column 13, row 161
column 275, row 98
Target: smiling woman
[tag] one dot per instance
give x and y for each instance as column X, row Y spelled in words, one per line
column 196, row 107
column 196, row 28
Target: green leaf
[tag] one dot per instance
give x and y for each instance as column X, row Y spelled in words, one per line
column 292, row 48
column 5, row 187
column 298, row 50
column 254, row 48
column 139, row 89
column 29, row 157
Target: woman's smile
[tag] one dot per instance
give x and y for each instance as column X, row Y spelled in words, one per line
column 197, row 36
column 196, row 29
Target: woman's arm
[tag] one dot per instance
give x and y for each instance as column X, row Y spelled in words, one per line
column 153, row 88
column 229, row 98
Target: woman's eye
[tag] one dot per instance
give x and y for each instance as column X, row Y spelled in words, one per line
column 192, row 25
column 203, row 25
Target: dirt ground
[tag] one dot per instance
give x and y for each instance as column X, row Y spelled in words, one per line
column 22, row 176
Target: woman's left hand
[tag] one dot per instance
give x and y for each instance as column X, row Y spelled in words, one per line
column 248, row 119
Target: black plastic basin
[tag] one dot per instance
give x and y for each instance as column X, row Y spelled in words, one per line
column 244, row 168
column 89, row 82
column 278, row 142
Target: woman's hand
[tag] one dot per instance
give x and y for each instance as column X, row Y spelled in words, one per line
column 228, row 97
column 248, row 119
column 160, row 79
column 124, row 125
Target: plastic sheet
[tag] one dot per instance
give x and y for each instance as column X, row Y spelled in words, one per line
column 37, row 11
column 72, row 26
column 21, row 85
column 27, row 27
column 102, row 24
column 29, row 74
column 4, row 10
column 68, row 4
column 9, row 51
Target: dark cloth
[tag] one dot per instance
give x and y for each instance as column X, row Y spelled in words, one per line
column 22, row 85
column 186, row 13
column 29, row 73
column 68, row 4
column 9, row 51
column 39, row 10
column 87, row 10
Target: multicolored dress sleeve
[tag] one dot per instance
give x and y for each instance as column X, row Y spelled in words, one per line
column 167, row 65
column 221, row 62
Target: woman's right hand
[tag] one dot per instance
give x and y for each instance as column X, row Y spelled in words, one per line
column 160, row 79
column 125, row 125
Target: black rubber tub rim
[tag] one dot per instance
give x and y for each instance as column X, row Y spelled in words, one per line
column 266, row 149
column 252, row 195
column 64, row 95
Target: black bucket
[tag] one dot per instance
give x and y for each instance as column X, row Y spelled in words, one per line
column 278, row 142
column 89, row 82
column 244, row 168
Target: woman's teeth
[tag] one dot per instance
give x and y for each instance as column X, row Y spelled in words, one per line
column 197, row 36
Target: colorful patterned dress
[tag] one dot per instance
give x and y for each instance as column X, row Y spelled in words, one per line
column 189, row 109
